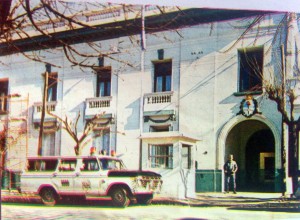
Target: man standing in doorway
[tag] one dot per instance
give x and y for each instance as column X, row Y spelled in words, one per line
column 230, row 168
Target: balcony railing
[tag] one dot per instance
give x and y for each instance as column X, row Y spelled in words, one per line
column 98, row 105
column 38, row 107
column 159, row 101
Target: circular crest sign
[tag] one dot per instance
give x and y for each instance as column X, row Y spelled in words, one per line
column 248, row 106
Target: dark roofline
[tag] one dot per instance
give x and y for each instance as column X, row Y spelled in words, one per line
column 155, row 23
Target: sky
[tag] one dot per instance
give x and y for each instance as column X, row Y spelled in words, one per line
column 264, row 5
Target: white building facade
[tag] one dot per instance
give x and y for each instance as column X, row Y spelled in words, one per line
column 178, row 107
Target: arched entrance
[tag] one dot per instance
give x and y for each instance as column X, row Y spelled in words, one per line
column 260, row 162
column 255, row 144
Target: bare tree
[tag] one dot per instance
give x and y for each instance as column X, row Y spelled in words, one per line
column 3, row 148
column 3, row 135
column 71, row 127
column 26, row 20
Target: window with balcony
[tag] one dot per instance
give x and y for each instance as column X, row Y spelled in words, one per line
column 103, row 82
column 162, row 76
column 52, row 87
column 161, row 156
column 48, row 148
column 186, row 156
column 3, row 95
column 251, row 69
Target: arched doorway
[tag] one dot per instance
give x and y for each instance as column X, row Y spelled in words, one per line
column 255, row 145
column 260, row 162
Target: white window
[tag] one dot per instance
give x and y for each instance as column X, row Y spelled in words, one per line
column 161, row 156
column 48, row 148
column 186, row 156
column 102, row 141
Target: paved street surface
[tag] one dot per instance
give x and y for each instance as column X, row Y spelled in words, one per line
column 204, row 206
column 153, row 212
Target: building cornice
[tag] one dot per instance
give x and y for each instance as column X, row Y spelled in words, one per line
column 119, row 27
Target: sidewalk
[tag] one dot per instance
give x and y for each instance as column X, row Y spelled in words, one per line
column 207, row 199
column 239, row 200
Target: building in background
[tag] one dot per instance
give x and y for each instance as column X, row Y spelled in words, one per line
column 177, row 105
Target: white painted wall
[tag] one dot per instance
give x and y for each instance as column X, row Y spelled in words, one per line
column 204, row 79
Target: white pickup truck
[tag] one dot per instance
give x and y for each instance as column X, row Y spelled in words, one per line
column 101, row 177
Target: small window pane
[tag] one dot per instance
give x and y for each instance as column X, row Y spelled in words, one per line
column 159, row 84
column 89, row 165
column 161, row 156
column 67, row 165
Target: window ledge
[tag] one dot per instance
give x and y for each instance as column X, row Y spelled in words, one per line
column 248, row 93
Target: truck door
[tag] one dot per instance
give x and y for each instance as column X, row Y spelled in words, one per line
column 63, row 178
column 87, row 177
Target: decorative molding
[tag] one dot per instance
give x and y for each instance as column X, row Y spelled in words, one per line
column 154, row 115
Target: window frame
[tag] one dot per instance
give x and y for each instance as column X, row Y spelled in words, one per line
column 52, row 87
column 159, row 71
column 189, row 156
column 103, row 75
column 90, row 165
column 167, row 162
column 249, row 81
column 4, row 85
column 67, row 165
column 50, row 149
column 101, row 139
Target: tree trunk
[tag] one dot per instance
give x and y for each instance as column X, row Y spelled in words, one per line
column 293, row 155
column 283, row 159
column 77, row 149
column 44, row 106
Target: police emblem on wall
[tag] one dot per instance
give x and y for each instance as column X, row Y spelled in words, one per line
column 248, row 107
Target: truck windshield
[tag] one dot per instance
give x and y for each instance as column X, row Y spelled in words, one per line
column 111, row 164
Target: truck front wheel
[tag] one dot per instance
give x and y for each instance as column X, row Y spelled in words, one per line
column 48, row 196
column 119, row 197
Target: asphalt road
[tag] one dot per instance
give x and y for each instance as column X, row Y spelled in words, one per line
column 153, row 212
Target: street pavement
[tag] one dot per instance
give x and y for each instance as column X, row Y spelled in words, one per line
column 241, row 200
column 206, row 199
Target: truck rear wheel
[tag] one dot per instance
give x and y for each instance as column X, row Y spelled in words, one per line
column 119, row 197
column 48, row 196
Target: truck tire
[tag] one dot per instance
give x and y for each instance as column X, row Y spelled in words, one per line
column 48, row 196
column 119, row 197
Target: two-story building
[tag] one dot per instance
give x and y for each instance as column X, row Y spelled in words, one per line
column 179, row 104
